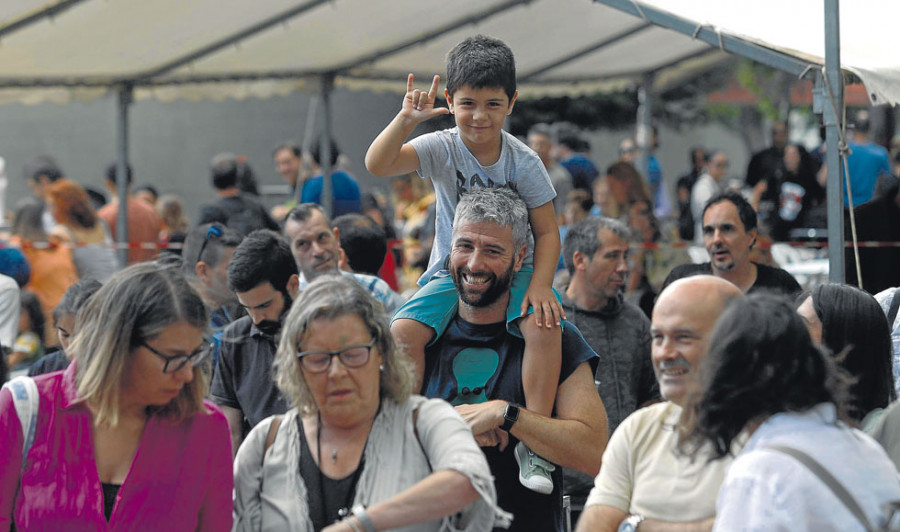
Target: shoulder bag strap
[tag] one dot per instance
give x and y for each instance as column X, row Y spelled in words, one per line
column 415, row 420
column 26, row 400
column 273, row 431
column 895, row 306
column 828, row 479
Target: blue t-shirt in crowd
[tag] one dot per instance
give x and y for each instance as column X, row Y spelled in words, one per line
column 344, row 189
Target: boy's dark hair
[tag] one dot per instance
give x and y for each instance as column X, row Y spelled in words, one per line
column 111, row 173
column 75, row 297
column 42, row 165
column 481, row 62
column 363, row 241
column 263, row 256
column 316, row 152
column 223, row 169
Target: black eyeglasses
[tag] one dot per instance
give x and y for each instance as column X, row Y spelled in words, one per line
column 176, row 362
column 214, row 230
column 353, row 356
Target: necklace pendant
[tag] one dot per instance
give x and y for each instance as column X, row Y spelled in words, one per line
column 333, row 456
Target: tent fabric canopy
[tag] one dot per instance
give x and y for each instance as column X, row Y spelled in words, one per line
column 67, row 50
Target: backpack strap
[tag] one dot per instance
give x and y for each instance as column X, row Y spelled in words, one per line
column 895, row 306
column 26, row 400
column 828, row 479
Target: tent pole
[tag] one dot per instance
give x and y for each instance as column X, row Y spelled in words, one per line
column 832, row 116
column 325, row 88
column 124, row 99
column 644, row 123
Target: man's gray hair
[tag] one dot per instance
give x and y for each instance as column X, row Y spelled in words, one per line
column 582, row 237
column 502, row 206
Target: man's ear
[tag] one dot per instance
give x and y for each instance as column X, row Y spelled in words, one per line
column 512, row 103
column 580, row 260
column 337, row 233
column 520, row 258
column 293, row 286
column 202, row 270
column 449, row 100
column 755, row 234
column 344, row 262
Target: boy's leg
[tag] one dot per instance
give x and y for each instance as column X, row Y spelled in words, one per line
column 540, row 365
column 541, row 362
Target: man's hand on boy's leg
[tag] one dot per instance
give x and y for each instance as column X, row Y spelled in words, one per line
column 547, row 310
column 418, row 105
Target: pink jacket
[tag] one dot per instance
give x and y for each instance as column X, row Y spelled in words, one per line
column 180, row 479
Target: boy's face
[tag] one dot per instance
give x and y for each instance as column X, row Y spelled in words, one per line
column 480, row 113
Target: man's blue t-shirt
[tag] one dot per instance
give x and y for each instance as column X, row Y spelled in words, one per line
column 344, row 189
column 472, row 363
column 865, row 164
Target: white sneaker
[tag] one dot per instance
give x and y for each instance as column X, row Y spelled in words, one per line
column 534, row 471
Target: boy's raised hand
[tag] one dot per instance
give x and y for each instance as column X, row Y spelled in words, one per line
column 547, row 310
column 419, row 105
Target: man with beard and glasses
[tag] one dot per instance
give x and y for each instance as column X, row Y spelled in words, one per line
column 644, row 479
column 316, row 247
column 729, row 233
column 476, row 365
column 263, row 275
column 596, row 251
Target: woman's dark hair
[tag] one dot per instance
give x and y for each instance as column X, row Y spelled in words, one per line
column 761, row 362
column 32, row 306
column 855, row 327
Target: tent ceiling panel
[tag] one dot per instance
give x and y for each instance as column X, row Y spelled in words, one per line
column 561, row 45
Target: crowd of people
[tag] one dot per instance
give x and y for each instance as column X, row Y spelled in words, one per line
column 515, row 326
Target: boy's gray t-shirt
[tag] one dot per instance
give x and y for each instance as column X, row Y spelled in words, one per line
column 454, row 171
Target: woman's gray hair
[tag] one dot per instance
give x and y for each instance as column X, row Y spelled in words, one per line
column 330, row 297
column 503, row 206
column 135, row 305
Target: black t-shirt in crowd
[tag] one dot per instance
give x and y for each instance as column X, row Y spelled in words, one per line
column 472, row 364
column 768, row 279
column 243, row 376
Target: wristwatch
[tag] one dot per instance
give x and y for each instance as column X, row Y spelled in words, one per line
column 510, row 416
column 631, row 523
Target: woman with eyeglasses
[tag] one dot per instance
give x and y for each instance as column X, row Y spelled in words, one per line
column 357, row 452
column 122, row 439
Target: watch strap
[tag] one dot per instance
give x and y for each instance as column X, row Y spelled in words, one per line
column 510, row 416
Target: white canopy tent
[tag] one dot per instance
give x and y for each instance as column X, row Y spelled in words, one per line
column 66, row 50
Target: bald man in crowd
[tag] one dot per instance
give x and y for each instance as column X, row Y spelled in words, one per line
column 644, row 481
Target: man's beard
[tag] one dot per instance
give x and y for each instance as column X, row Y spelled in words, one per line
column 273, row 327
column 721, row 266
column 497, row 286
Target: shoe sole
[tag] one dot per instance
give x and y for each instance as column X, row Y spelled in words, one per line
column 543, row 489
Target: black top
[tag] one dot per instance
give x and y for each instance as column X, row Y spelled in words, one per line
column 243, row 376
column 110, row 492
column 337, row 493
column 768, row 279
column 240, row 213
column 474, row 363
column 55, row 361
column 877, row 220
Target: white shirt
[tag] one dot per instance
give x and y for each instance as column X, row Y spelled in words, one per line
column 767, row 490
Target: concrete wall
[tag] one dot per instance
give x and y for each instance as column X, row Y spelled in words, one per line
column 171, row 143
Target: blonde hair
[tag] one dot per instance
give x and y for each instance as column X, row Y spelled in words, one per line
column 330, row 297
column 135, row 305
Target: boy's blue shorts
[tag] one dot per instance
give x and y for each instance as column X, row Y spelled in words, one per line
column 435, row 303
